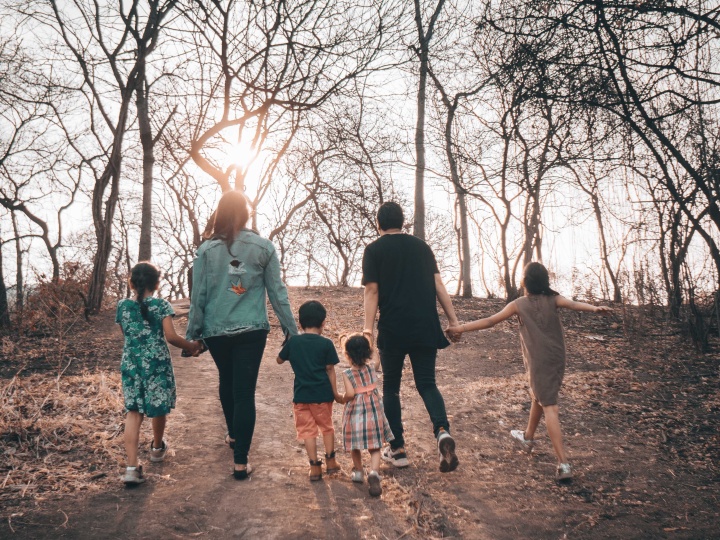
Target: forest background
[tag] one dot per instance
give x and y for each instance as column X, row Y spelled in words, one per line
column 581, row 134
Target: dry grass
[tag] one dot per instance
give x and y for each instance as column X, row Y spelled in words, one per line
column 59, row 434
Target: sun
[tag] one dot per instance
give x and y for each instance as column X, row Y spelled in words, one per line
column 242, row 153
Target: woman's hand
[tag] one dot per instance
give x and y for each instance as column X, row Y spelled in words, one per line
column 603, row 310
column 340, row 398
column 197, row 348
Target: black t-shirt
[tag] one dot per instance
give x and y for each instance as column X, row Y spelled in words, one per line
column 309, row 354
column 404, row 268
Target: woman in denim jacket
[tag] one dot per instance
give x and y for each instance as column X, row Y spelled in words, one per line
column 231, row 273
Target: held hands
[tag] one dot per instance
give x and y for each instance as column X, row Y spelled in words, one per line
column 197, row 348
column 454, row 332
column 603, row 310
column 340, row 398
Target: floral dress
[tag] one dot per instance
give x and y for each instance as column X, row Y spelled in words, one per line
column 365, row 426
column 146, row 369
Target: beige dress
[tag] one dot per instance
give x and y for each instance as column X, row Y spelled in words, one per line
column 543, row 346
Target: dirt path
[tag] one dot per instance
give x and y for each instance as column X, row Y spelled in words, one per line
column 640, row 472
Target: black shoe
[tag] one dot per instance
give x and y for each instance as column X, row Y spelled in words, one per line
column 242, row 475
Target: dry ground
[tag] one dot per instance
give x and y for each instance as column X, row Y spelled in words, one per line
column 639, row 409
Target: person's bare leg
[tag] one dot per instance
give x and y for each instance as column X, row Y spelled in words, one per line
column 536, row 412
column 311, row 447
column 375, row 460
column 552, row 422
column 357, row 460
column 158, row 427
column 133, row 421
column 329, row 442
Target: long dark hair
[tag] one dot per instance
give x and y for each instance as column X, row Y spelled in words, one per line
column 232, row 215
column 536, row 280
column 144, row 276
column 357, row 347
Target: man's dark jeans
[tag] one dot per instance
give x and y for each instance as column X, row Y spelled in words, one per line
column 422, row 360
column 238, row 361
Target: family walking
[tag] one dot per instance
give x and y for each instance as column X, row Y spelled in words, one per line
column 236, row 269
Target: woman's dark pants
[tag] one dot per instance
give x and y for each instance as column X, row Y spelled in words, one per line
column 238, row 361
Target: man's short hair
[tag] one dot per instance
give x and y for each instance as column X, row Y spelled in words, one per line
column 312, row 314
column 390, row 216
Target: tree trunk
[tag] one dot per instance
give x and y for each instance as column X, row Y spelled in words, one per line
column 419, row 215
column 146, row 140
column 19, row 281
column 423, row 52
column 4, row 307
column 465, row 237
column 617, row 294
column 103, row 221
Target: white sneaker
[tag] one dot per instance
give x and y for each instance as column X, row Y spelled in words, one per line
column 446, row 448
column 375, row 486
column 357, row 476
column 519, row 436
column 564, row 472
column 397, row 457
column 158, row 454
column 133, row 476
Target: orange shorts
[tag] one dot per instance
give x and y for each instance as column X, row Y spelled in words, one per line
column 311, row 417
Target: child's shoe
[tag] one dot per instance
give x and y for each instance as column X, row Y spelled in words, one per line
column 315, row 470
column 357, row 476
column 158, row 454
column 446, row 447
column 519, row 436
column 133, row 476
column 397, row 457
column 564, row 472
column 331, row 464
column 374, row 481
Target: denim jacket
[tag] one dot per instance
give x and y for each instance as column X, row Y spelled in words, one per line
column 228, row 293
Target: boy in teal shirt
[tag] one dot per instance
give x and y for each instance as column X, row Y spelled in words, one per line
column 313, row 358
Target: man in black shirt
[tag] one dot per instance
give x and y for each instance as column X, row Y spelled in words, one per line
column 401, row 278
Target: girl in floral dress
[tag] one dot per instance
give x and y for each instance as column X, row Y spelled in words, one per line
column 146, row 370
column 364, row 424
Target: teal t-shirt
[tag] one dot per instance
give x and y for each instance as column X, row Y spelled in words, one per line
column 309, row 355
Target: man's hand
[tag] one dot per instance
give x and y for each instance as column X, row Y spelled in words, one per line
column 604, row 310
column 453, row 332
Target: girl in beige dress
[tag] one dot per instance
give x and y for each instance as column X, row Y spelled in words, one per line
column 543, row 348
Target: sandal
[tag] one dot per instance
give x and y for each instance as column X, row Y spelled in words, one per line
column 243, row 473
column 230, row 442
column 315, row 470
column 331, row 465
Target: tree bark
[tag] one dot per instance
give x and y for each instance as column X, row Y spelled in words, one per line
column 4, row 307
column 423, row 52
column 146, row 141
column 19, row 281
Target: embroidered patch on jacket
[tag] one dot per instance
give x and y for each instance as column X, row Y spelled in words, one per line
column 235, row 270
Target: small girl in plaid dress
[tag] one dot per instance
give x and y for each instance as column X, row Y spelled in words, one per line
column 364, row 424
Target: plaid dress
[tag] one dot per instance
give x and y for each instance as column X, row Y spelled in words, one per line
column 364, row 424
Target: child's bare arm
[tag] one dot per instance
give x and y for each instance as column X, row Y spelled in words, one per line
column 563, row 302
column 193, row 347
column 330, row 368
column 488, row 322
column 349, row 391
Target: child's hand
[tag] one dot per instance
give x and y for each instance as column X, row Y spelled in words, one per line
column 453, row 333
column 197, row 348
column 603, row 310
